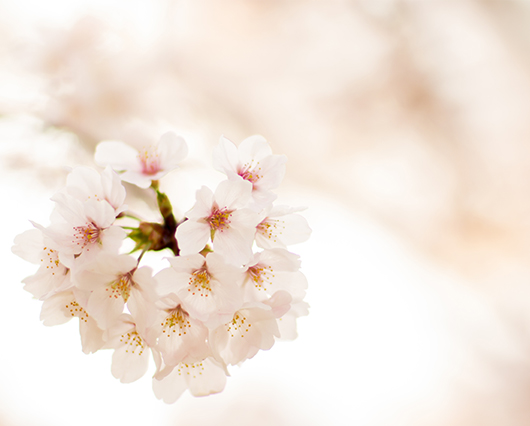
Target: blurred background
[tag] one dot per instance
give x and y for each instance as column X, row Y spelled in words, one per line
column 406, row 126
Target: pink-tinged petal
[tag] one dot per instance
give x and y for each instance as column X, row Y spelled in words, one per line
column 118, row 155
column 171, row 387
column 223, row 272
column 262, row 198
column 186, row 264
column 192, row 236
column 139, row 179
column 287, row 323
column 131, row 360
column 113, row 189
column 280, row 302
column 281, row 259
column 107, row 266
column 29, row 245
column 271, row 172
column 168, row 282
column 211, row 378
column 182, row 338
column 82, row 183
column 62, row 307
column 142, row 298
column 85, row 183
column 201, row 378
column 100, row 213
column 282, row 230
column 105, row 307
column 112, row 238
column 226, row 157
column 203, row 205
column 131, row 356
column 44, row 283
column 233, row 194
column 91, row 335
column 234, row 245
column 172, row 150
column 254, row 148
column 58, row 309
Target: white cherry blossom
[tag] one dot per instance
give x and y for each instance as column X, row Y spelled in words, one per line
column 130, row 359
column 141, row 167
column 208, row 286
column 85, row 183
column 281, row 226
column 181, row 338
column 202, row 378
column 222, row 218
column 112, row 281
column 254, row 162
column 253, row 327
column 52, row 276
column 82, row 229
column 62, row 307
column 273, row 270
column 287, row 323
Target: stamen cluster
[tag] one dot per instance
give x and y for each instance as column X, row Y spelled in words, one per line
column 230, row 278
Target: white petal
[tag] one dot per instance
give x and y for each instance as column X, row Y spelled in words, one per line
column 208, row 381
column 233, row 194
column 192, row 236
column 203, row 205
column 225, row 156
column 254, row 148
column 130, row 361
column 170, row 388
column 272, row 172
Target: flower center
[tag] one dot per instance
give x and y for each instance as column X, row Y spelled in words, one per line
column 269, row 228
column 135, row 342
column 176, row 318
column 219, row 219
column 121, row 287
column 192, row 370
column 149, row 160
column 51, row 260
column 86, row 235
column 199, row 283
column 238, row 325
column 250, row 172
column 261, row 275
column 77, row 311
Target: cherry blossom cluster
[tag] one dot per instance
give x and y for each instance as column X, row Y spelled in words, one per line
column 231, row 289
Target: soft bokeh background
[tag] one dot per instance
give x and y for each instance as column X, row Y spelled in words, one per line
column 406, row 125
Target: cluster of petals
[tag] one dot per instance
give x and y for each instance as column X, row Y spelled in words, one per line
column 233, row 289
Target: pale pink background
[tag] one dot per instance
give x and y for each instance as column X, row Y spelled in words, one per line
column 406, row 125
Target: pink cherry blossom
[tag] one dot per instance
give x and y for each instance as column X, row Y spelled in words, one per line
column 130, row 359
column 222, row 218
column 62, row 307
column 85, row 183
column 208, row 286
column 141, row 167
column 82, row 229
column 253, row 327
column 112, row 281
column 273, row 270
column 254, row 162
column 281, row 226
column 52, row 276
column 201, row 378
column 181, row 338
